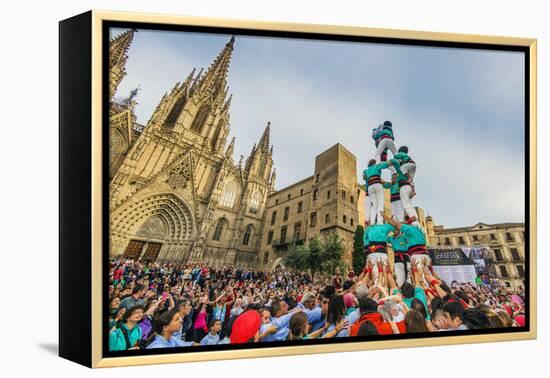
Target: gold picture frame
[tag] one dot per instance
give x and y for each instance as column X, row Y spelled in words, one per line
column 91, row 27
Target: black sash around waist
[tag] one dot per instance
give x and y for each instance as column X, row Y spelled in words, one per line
column 375, row 247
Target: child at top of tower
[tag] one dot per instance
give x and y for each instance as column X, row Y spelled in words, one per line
column 384, row 139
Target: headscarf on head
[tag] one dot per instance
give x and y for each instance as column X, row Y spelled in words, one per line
column 245, row 327
column 349, row 300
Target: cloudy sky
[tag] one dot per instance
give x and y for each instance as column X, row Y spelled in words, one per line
column 460, row 111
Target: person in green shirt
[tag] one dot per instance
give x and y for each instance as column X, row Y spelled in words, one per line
column 406, row 192
column 375, row 240
column 376, row 191
column 128, row 333
column 395, row 199
column 384, row 140
column 408, row 165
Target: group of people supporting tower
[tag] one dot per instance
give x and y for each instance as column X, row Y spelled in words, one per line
column 401, row 230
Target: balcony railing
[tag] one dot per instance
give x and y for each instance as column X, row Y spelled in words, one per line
column 278, row 243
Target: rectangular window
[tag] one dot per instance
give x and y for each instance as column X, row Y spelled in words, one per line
column 344, row 219
column 498, row 255
column 270, row 237
column 273, row 217
column 515, row 254
column 315, row 194
column 283, row 234
column 351, row 199
column 300, row 206
column 301, row 192
column 289, row 196
column 521, row 270
column 285, row 216
column 509, row 237
column 312, row 219
column 503, row 271
column 277, row 201
column 328, row 195
column 476, row 238
column 351, row 221
column 493, row 237
column 327, row 219
column 344, row 195
column 461, row 240
column 447, row 241
column 297, row 230
column 316, row 178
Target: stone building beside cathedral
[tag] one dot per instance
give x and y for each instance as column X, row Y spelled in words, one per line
column 176, row 194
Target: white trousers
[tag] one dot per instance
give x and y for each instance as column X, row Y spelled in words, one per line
column 402, row 275
column 406, row 201
column 373, row 258
column 409, row 169
column 368, row 207
column 385, row 143
column 376, row 195
column 397, row 211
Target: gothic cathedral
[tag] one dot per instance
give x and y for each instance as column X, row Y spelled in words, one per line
column 176, row 193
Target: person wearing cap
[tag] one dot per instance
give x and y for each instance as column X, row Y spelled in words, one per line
column 406, row 190
column 384, row 140
column 375, row 189
column 246, row 328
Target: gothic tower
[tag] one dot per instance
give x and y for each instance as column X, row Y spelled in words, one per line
column 118, row 55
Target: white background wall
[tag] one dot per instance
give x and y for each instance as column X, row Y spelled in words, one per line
column 29, row 109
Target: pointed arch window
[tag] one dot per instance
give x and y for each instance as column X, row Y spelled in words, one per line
column 229, row 194
column 247, row 233
column 200, row 119
column 255, row 202
column 175, row 112
column 218, row 231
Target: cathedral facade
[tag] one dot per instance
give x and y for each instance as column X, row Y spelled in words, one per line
column 176, row 193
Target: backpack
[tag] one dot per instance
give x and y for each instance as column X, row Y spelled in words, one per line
column 354, row 329
column 376, row 131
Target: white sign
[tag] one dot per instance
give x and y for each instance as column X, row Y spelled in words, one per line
column 459, row 273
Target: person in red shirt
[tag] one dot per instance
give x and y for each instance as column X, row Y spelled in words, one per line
column 369, row 313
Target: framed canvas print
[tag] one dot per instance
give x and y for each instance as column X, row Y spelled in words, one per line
column 234, row 189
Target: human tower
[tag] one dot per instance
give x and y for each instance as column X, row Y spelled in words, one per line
column 401, row 230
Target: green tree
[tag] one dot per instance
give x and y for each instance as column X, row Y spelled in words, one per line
column 332, row 250
column 358, row 258
column 297, row 257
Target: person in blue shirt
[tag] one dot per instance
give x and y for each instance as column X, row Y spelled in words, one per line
column 395, row 199
column 384, row 140
column 375, row 189
column 167, row 324
column 406, row 192
column 375, row 240
column 212, row 337
column 277, row 328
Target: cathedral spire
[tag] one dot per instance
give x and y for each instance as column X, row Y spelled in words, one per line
column 215, row 78
column 263, row 145
column 231, row 148
column 118, row 48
